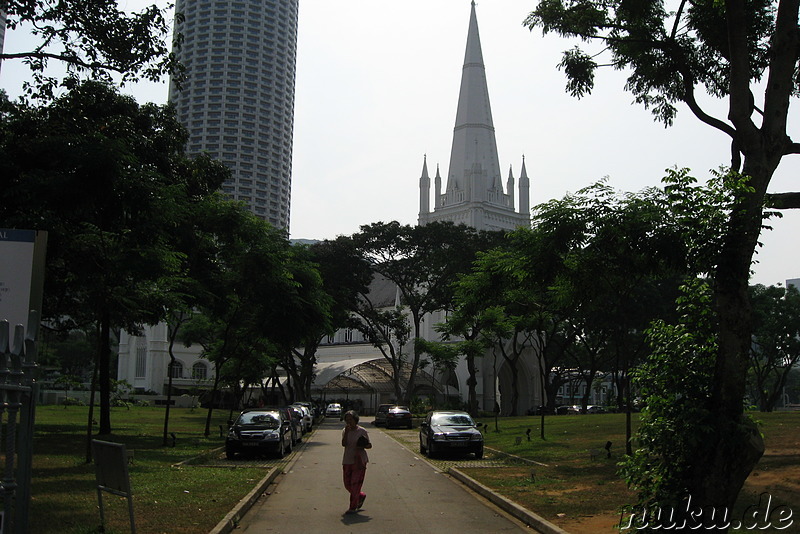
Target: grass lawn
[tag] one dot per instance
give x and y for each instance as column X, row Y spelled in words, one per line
column 166, row 499
column 580, row 491
column 573, row 488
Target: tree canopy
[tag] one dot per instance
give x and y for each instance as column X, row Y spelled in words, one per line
column 91, row 39
column 746, row 53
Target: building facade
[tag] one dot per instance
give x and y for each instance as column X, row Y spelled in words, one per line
column 237, row 99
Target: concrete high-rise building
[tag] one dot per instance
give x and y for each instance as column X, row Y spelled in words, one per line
column 238, row 97
column 474, row 193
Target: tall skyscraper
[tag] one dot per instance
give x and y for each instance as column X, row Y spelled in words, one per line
column 474, row 193
column 238, row 97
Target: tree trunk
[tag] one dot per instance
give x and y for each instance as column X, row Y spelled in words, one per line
column 472, row 381
column 722, row 467
column 164, row 441
column 207, row 431
column 104, row 371
column 412, row 375
column 90, row 417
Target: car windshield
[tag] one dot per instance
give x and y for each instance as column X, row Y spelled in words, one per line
column 452, row 419
column 266, row 419
column 399, row 408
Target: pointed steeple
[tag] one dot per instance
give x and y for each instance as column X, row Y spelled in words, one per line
column 510, row 188
column 424, row 188
column 437, row 189
column 524, row 192
column 473, row 136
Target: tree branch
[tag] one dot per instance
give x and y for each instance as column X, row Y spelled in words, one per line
column 782, row 201
column 60, row 57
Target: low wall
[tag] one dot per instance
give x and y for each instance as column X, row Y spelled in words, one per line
column 50, row 396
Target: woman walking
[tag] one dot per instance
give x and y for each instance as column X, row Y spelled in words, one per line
column 355, row 441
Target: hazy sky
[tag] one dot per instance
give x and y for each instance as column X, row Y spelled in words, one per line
column 377, row 88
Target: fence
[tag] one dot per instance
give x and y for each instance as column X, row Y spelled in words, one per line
column 17, row 406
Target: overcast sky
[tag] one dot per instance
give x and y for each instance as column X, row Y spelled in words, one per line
column 377, row 88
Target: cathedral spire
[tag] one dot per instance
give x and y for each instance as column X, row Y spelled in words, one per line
column 510, row 188
column 424, row 188
column 524, row 193
column 437, row 189
column 474, row 194
column 473, row 136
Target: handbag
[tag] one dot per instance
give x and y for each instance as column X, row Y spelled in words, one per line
column 362, row 441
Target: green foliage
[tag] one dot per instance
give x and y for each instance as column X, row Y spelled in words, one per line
column 678, row 425
column 776, row 342
column 423, row 262
column 93, row 40
column 667, row 53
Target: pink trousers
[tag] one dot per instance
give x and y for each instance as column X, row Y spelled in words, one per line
column 353, row 475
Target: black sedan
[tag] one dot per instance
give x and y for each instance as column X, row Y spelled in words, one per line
column 398, row 416
column 450, row 431
column 260, row 430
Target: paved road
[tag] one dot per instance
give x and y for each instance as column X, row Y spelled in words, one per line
column 404, row 494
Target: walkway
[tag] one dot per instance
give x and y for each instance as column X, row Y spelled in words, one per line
column 404, row 494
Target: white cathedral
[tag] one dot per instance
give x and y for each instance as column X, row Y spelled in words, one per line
column 349, row 367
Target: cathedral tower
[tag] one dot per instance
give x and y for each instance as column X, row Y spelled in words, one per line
column 474, row 193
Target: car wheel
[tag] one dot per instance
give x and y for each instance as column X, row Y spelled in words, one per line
column 289, row 448
column 422, row 449
column 409, row 426
column 430, row 449
column 479, row 454
column 229, row 454
column 281, row 449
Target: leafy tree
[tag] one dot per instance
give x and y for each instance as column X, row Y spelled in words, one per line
column 91, row 39
column 386, row 328
column 677, row 422
column 329, row 277
column 67, row 382
column 70, row 351
column 423, row 262
column 725, row 48
column 776, row 342
column 248, row 288
column 108, row 179
column 464, row 329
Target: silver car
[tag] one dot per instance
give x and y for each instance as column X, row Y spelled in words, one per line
column 308, row 421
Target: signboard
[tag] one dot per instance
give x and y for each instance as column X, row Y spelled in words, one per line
column 21, row 274
column 111, row 473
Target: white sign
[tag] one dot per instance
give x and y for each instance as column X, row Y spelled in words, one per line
column 16, row 275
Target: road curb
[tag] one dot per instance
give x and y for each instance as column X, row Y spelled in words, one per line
column 523, row 514
column 232, row 518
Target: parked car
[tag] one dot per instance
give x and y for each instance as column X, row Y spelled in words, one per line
column 541, row 410
column 312, row 409
column 380, row 414
column 308, row 421
column 593, row 408
column 333, row 410
column 568, row 410
column 450, row 431
column 259, row 431
column 398, row 416
column 297, row 424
